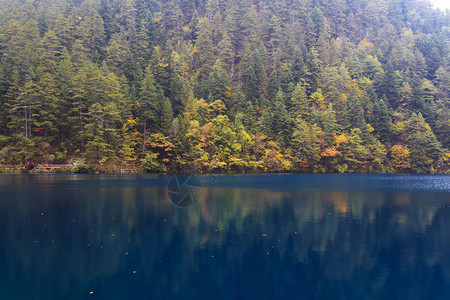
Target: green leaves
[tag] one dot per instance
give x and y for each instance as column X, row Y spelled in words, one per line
column 307, row 143
column 184, row 86
column 424, row 147
column 151, row 164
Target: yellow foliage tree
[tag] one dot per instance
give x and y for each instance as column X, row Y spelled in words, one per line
column 400, row 157
column 317, row 100
column 445, row 163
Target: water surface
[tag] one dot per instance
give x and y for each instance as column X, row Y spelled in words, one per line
column 247, row 237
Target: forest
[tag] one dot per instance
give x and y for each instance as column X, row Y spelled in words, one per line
column 214, row 86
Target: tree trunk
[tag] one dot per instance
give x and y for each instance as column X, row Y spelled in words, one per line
column 143, row 140
column 26, row 123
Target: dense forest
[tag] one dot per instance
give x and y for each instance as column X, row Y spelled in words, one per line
column 226, row 86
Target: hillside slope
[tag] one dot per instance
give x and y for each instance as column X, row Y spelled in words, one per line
column 226, row 86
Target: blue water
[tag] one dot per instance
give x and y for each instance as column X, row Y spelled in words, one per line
column 242, row 237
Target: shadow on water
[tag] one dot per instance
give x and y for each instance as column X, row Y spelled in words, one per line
column 246, row 236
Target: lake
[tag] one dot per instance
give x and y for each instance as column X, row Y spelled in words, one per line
column 225, row 237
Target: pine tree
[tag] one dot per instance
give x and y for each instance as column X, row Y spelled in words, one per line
column 390, row 86
column 79, row 55
column 144, row 41
column 356, row 111
column 65, row 31
column 253, row 93
column 64, row 81
column 49, row 106
column 274, row 84
column 101, row 133
column 424, row 147
column 218, row 84
column 96, row 147
column 147, row 105
column 129, row 143
column 306, row 142
column 24, row 109
column 281, row 124
column 206, row 48
column 51, row 52
column 19, row 53
column 382, row 121
column 92, row 35
column 127, row 19
column 225, row 48
column 165, row 114
column 297, row 72
column 117, row 52
column 318, row 20
column 300, row 106
column 193, row 26
column 250, row 117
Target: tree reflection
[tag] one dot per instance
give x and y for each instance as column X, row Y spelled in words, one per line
column 62, row 236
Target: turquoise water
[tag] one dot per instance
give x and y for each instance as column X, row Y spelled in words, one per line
column 240, row 237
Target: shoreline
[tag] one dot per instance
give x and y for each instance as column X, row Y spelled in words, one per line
column 137, row 171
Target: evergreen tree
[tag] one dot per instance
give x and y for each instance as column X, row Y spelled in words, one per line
column 253, row 93
column 307, row 142
column 218, row 84
column 165, row 114
column 193, row 26
column 206, row 48
column 424, row 147
column 92, row 34
column 356, row 111
column 382, row 121
column 147, row 105
column 49, row 106
column 280, row 123
column 274, row 84
column 300, row 106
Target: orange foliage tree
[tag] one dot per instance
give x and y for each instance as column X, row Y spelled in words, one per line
column 400, row 159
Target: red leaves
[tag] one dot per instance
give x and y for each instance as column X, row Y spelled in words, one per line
column 330, row 152
column 304, row 164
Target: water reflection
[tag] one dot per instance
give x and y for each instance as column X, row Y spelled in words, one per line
column 272, row 236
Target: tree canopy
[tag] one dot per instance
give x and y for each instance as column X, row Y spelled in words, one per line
column 226, row 86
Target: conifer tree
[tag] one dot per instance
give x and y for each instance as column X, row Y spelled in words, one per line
column 424, row 147
column 92, row 35
column 300, row 106
column 382, row 121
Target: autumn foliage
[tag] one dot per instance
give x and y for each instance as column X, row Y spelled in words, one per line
column 225, row 86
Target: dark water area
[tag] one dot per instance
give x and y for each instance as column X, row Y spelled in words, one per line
column 240, row 237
